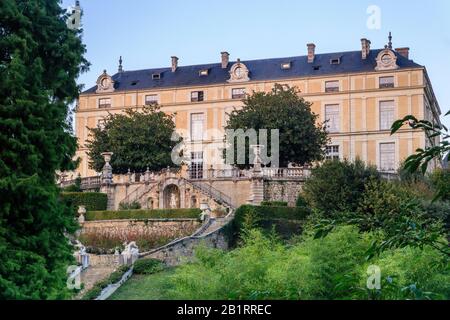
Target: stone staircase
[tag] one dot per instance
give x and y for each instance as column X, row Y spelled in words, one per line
column 211, row 192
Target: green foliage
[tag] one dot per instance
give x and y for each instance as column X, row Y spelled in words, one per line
column 248, row 217
column 148, row 266
column 301, row 141
column 97, row 289
column 440, row 179
column 93, row 201
column 40, row 60
column 76, row 187
column 144, row 214
column 330, row 268
column 435, row 152
column 134, row 205
column 337, row 186
column 139, row 140
column 301, row 202
column 274, row 204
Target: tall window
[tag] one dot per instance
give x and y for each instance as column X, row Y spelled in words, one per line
column 332, row 153
column 151, row 99
column 196, row 169
column 332, row 116
column 387, row 156
column 238, row 93
column 197, row 126
column 332, row 86
column 197, row 96
column 387, row 82
column 387, row 114
column 104, row 103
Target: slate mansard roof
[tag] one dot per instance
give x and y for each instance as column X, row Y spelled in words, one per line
column 260, row 70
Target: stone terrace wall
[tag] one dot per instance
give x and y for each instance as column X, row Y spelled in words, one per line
column 282, row 191
column 160, row 226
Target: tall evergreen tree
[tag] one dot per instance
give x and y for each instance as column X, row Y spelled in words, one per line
column 40, row 59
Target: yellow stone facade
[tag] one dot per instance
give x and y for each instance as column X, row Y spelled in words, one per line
column 358, row 100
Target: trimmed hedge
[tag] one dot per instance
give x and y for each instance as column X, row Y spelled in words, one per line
column 274, row 204
column 259, row 216
column 144, row 214
column 93, row 201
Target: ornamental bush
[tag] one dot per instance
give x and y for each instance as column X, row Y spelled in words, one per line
column 93, row 201
column 337, row 186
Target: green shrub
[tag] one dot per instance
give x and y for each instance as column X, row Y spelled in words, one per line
column 338, row 186
column 247, row 216
column 91, row 200
column 301, row 202
column 274, row 204
column 332, row 268
column 134, row 205
column 440, row 180
column 148, row 266
column 144, row 214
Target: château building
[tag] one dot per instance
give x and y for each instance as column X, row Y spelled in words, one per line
column 361, row 93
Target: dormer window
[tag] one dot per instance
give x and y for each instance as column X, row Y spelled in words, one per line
column 332, row 86
column 286, row 66
column 316, row 68
column 335, row 61
column 203, row 73
column 156, row 76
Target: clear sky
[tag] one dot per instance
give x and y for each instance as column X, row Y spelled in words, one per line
column 148, row 32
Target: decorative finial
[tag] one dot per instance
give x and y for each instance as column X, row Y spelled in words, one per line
column 390, row 41
column 120, row 64
column 104, row 71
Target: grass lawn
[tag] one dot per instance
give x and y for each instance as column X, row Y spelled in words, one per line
column 143, row 287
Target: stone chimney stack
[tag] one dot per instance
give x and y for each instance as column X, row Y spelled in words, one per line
column 225, row 59
column 311, row 52
column 174, row 63
column 403, row 52
column 365, row 48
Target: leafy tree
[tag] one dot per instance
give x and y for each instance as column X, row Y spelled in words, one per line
column 138, row 139
column 337, row 186
column 422, row 157
column 40, row 58
column 301, row 140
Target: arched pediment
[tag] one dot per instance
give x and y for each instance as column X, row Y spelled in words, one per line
column 105, row 83
column 386, row 60
column 239, row 72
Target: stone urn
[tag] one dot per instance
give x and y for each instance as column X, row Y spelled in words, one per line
column 81, row 214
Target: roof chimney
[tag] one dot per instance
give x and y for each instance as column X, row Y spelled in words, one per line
column 225, row 59
column 174, row 63
column 403, row 52
column 365, row 48
column 311, row 52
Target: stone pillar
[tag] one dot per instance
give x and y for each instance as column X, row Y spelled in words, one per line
column 257, row 180
column 107, row 180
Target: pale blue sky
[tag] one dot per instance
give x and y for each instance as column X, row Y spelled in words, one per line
column 147, row 32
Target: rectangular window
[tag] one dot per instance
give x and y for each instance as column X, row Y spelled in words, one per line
column 238, row 93
column 332, row 153
column 197, row 126
column 332, row 86
column 196, row 168
column 387, row 114
column 151, row 99
column 386, row 82
column 387, row 156
column 332, row 116
column 197, row 96
column 104, row 103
